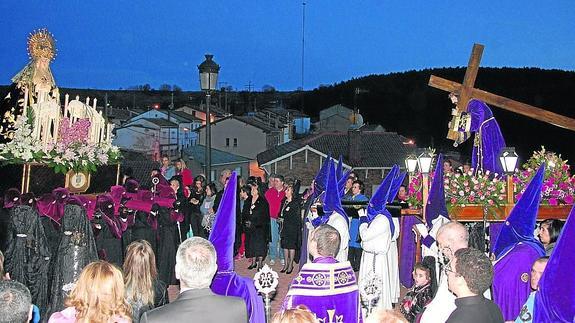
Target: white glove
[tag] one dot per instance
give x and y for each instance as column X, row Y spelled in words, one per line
column 421, row 229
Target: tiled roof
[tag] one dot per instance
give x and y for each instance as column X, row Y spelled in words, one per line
column 247, row 120
column 184, row 116
column 219, row 157
column 161, row 122
column 377, row 149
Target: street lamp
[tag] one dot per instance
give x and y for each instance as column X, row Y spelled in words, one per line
column 508, row 158
column 424, row 162
column 411, row 164
column 208, row 81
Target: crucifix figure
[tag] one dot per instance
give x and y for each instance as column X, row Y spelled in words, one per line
column 466, row 91
column 472, row 113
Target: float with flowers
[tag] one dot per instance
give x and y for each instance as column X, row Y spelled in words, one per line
column 472, row 195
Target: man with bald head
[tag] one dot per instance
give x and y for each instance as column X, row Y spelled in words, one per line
column 451, row 237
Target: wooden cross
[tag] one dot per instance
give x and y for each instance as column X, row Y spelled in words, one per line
column 466, row 92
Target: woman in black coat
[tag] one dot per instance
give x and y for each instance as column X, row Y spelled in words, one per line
column 256, row 218
column 290, row 227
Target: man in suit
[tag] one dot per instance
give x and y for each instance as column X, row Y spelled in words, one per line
column 195, row 268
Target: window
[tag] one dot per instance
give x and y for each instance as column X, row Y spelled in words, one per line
column 235, row 142
column 227, row 142
column 212, row 175
column 238, row 171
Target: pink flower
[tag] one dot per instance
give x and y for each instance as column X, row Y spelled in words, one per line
column 471, row 198
column 490, row 201
column 553, row 201
column 453, row 200
column 565, row 167
column 568, row 199
column 419, row 195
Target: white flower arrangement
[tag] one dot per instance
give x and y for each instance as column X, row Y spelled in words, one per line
column 75, row 154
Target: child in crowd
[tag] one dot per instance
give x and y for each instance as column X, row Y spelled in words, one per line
column 420, row 294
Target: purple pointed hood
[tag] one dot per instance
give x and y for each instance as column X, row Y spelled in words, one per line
column 224, row 230
column 397, row 181
column 554, row 300
column 379, row 199
column 331, row 198
column 341, row 182
column 320, row 179
column 436, row 201
column 339, row 169
column 520, row 223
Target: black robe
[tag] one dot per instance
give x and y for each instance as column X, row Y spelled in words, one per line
column 290, row 232
column 76, row 250
column 4, row 224
column 27, row 255
column 168, row 242
column 257, row 227
column 142, row 230
column 108, row 243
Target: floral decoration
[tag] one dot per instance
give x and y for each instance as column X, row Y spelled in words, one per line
column 558, row 184
column 73, row 151
column 485, row 189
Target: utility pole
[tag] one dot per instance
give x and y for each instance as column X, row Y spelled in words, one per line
column 302, row 56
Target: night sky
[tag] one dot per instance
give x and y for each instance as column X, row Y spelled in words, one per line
column 118, row 44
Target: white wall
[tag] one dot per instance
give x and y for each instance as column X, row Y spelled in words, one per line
column 250, row 140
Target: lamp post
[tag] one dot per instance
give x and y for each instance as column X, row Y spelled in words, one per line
column 508, row 159
column 424, row 162
column 208, row 81
column 411, row 165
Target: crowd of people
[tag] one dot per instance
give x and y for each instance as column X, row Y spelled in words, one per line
column 69, row 258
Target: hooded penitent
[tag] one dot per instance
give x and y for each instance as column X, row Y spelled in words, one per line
column 332, row 198
column 554, row 302
column 379, row 199
column 320, row 180
column 28, row 255
column 77, row 248
column 516, row 248
column 436, row 201
column 107, row 230
column 521, row 221
column 226, row 281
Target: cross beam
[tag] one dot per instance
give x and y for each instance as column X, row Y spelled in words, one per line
column 466, row 92
column 507, row 104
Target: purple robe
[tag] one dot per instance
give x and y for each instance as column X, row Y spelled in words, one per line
column 328, row 288
column 489, row 140
column 231, row 284
column 512, row 279
column 407, row 252
column 227, row 282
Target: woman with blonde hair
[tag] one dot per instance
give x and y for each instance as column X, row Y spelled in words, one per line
column 298, row 314
column 185, row 172
column 98, row 296
column 144, row 291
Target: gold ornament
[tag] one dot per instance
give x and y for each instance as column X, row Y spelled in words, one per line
column 41, row 44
